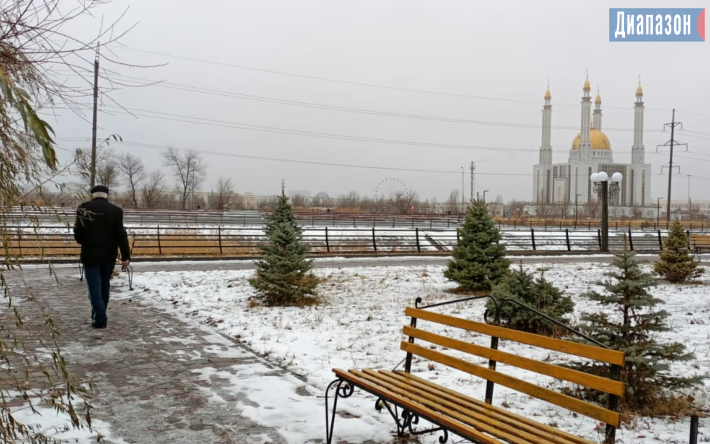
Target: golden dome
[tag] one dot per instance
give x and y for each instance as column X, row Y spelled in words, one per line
column 586, row 85
column 639, row 91
column 599, row 140
column 598, row 99
column 548, row 96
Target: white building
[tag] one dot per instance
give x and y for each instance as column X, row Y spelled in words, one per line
column 591, row 152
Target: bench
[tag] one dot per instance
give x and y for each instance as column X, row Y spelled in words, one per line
column 700, row 242
column 409, row 398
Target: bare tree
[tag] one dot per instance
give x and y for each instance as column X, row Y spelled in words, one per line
column 133, row 171
column 37, row 48
column 351, row 200
column 107, row 172
column 223, row 196
column 453, row 203
column 403, row 201
column 516, row 207
column 152, row 189
column 593, row 207
column 299, row 201
column 187, row 168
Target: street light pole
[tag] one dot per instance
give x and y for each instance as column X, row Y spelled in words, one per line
column 463, row 191
column 603, row 188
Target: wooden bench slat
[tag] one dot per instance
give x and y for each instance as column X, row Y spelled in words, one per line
column 449, row 423
column 572, row 348
column 592, row 381
column 464, row 415
column 498, row 412
column 568, row 402
column 484, row 421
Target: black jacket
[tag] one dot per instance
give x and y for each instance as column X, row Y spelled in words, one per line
column 99, row 230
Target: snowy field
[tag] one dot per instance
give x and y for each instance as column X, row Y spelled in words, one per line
column 360, row 326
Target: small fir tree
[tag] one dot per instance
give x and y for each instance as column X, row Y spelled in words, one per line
column 283, row 274
column 282, row 214
column 479, row 259
column 677, row 264
column 632, row 328
column 539, row 294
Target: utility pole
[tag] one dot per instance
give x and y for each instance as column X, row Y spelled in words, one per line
column 672, row 143
column 463, row 192
column 473, row 170
column 93, row 127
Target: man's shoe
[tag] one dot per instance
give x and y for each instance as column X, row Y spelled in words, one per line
column 95, row 325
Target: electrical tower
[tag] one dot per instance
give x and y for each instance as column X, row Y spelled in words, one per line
column 671, row 143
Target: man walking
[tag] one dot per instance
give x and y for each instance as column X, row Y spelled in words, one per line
column 99, row 230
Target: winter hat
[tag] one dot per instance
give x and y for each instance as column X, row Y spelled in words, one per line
column 99, row 189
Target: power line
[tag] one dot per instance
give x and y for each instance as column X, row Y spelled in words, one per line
column 280, row 101
column 349, row 82
column 288, row 131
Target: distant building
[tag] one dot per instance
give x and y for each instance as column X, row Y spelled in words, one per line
column 569, row 183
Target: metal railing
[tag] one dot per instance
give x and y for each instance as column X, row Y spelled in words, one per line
column 157, row 241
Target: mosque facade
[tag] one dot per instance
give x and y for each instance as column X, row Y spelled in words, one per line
column 569, row 184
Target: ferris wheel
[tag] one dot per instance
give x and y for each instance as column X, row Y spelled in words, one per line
column 388, row 186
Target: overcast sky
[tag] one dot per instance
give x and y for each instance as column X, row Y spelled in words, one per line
column 491, row 61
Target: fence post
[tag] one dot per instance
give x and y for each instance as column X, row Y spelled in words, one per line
column 245, row 220
column 458, row 237
column 219, row 236
column 417, row 234
column 19, row 243
column 631, row 241
column 590, row 225
column 394, row 220
column 599, row 239
column 693, row 429
column 327, row 244
column 334, row 221
column 374, row 244
column 532, row 235
column 160, row 248
column 312, row 221
column 660, row 241
column 569, row 247
column 687, row 234
column 515, row 224
column 354, row 226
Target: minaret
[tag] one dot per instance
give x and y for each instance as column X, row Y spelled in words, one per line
column 638, row 150
column 585, row 145
column 546, row 147
column 597, row 116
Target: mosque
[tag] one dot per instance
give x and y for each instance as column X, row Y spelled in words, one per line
column 565, row 183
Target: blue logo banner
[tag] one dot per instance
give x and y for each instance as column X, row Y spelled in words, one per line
column 656, row 24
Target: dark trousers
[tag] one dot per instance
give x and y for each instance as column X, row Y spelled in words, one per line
column 98, row 279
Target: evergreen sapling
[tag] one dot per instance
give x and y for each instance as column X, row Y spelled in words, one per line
column 283, row 274
column 633, row 328
column 539, row 294
column 676, row 260
column 479, row 261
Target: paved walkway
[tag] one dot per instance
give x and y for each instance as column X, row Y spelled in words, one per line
column 144, row 367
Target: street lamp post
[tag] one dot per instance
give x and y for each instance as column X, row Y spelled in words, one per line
column 604, row 188
column 463, row 205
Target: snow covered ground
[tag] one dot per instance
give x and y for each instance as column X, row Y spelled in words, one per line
column 360, row 326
